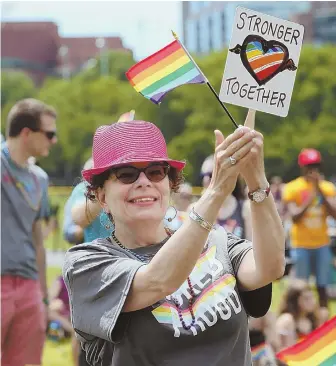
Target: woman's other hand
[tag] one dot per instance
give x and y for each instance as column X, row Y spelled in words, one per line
column 232, row 156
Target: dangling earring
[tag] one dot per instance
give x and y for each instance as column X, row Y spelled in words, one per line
column 106, row 216
column 170, row 219
column 110, row 217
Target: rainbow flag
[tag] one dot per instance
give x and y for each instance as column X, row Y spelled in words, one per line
column 163, row 71
column 317, row 349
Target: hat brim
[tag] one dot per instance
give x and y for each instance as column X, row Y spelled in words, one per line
column 309, row 163
column 89, row 173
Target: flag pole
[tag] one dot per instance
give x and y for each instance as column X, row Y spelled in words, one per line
column 206, row 80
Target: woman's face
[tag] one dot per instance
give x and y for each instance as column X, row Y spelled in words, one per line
column 307, row 302
column 143, row 200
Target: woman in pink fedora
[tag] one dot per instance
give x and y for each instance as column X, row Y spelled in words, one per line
column 166, row 298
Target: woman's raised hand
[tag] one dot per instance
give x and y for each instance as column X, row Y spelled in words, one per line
column 239, row 153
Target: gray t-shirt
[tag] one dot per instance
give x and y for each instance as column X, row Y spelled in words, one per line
column 98, row 276
column 24, row 199
column 44, row 180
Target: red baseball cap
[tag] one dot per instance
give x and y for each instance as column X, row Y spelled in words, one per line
column 125, row 143
column 309, row 156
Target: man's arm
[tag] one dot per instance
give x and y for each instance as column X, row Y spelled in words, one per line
column 40, row 257
column 296, row 212
column 72, row 233
column 84, row 212
column 329, row 202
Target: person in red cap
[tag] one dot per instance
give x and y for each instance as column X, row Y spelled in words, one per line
column 171, row 298
column 310, row 200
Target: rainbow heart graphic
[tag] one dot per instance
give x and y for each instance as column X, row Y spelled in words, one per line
column 263, row 59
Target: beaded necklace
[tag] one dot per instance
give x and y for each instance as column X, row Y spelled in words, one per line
column 19, row 185
column 146, row 259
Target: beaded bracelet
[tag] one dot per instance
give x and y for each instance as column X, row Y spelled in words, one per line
column 197, row 218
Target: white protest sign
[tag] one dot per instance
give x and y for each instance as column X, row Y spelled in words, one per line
column 261, row 63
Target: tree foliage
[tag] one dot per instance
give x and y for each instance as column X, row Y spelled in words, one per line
column 188, row 115
column 14, row 86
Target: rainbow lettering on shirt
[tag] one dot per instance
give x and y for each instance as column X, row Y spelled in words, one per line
column 216, row 299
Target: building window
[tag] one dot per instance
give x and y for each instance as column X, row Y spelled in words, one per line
column 211, row 33
column 204, row 34
column 194, row 6
column 223, row 35
column 198, row 37
column 324, row 27
column 216, row 35
column 191, row 36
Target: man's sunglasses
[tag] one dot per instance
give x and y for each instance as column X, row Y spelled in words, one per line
column 129, row 174
column 49, row 134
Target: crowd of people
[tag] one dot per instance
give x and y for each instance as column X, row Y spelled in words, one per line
column 310, row 252
column 156, row 274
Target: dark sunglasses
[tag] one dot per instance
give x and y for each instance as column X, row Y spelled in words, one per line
column 49, row 134
column 129, row 174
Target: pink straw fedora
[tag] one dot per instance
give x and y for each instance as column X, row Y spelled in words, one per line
column 128, row 142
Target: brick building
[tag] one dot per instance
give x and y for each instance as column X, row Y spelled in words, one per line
column 38, row 49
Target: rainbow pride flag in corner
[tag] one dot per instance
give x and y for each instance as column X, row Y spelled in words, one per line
column 317, row 349
column 163, row 71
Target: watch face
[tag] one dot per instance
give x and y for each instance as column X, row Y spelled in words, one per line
column 259, row 196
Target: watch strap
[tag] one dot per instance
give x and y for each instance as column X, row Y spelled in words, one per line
column 267, row 192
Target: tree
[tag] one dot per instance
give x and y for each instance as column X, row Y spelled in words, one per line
column 15, row 85
column 118, row 63
column 189, row 114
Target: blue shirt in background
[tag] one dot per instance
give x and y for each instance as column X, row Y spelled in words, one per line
column 69, row 227
column 97, row 227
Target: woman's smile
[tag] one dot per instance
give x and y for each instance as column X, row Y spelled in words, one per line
column 143, row 201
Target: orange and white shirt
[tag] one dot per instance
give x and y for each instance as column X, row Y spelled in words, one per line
column 311, row 231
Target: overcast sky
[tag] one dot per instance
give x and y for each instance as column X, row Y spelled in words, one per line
column 143, row 26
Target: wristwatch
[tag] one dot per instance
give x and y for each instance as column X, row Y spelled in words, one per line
column 259, row 195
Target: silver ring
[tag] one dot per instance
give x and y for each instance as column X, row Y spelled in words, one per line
column 233, row 161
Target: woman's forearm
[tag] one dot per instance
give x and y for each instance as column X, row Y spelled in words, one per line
column 268, row 240
column 175, row 260
column 83, row 213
